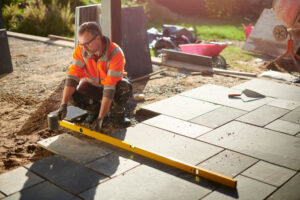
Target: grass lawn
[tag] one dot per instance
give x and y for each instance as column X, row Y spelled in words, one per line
column 232, row 54
column 217, row 29
column 221, row 33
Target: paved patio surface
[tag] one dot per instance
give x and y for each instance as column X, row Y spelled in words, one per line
column 254, row 141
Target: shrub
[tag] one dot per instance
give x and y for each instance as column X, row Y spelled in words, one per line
column 12, row 15
column 38, row 19
column 33, row 21
column 4, row 3
column 64, row 3
column 59, row 19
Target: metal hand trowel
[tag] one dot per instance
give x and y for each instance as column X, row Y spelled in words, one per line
column 249, row 94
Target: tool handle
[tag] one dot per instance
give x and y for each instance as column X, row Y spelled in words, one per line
column 233, row 95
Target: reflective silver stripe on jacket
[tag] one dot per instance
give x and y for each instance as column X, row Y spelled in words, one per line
column 70, row 76
column 115, row 73
column 78, row 63
column 114, row 52
column 109, row 87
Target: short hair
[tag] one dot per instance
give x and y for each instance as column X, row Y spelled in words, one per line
column 92, row 27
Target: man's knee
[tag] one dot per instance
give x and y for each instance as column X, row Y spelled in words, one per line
column 123, row 92
column 84, row 102
column 89, row 91
column 76, row 99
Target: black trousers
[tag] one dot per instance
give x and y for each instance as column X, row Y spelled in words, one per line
column 88, row 97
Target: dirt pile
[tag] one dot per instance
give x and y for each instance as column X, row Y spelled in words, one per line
column 26, row 96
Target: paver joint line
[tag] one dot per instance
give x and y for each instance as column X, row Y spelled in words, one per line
column 154, row 156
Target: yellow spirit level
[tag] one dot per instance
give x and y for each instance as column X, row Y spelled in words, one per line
column 227, row 181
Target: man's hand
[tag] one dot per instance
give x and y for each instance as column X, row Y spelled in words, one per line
column 97, row 124
column 62, row 111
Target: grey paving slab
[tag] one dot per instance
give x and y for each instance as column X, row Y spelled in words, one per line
column 17, row 180
column 44, row 191
column 74, row 113
column 2, row 195
column 286, row 104
column 298, row 135
column 290, row 191
column 218, row 117
column 272, row 89
column 293, row 116
column 258, row 142
column 113, row 165
column 73, row 148
column 219, row 95
column 145, row 182
column 269, row 173
column 177, row 126
column 284, row 126
column 246, row 189
column 67, row 174
column 181, row 107
column 169, row 144
column 228, row 163
column 263, row 115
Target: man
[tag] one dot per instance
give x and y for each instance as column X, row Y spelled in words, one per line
column 96, row 79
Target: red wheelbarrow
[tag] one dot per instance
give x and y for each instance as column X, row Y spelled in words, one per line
column 207, row 49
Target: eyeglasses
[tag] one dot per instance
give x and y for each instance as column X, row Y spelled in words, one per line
column 88, row 43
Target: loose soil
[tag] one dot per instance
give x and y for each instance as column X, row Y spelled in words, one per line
column 35, row 86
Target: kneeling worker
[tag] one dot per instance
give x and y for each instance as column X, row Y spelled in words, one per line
column 96, row 79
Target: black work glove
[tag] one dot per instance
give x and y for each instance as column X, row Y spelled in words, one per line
column 97, row 124
column 62, row 111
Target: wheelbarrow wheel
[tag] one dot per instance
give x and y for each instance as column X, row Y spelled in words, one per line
column 219, row 62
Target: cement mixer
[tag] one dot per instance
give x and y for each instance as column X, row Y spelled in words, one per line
column 288, row 11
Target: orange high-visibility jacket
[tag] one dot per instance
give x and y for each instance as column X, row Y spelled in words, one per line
column 105, row 72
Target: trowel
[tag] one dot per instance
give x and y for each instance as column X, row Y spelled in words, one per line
column 247, row 95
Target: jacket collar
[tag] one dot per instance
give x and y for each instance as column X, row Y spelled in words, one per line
column 104, row 56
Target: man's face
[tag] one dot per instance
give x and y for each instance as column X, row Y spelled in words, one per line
column 91, row 44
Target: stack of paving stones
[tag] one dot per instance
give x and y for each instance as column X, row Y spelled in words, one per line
column 254, row 141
